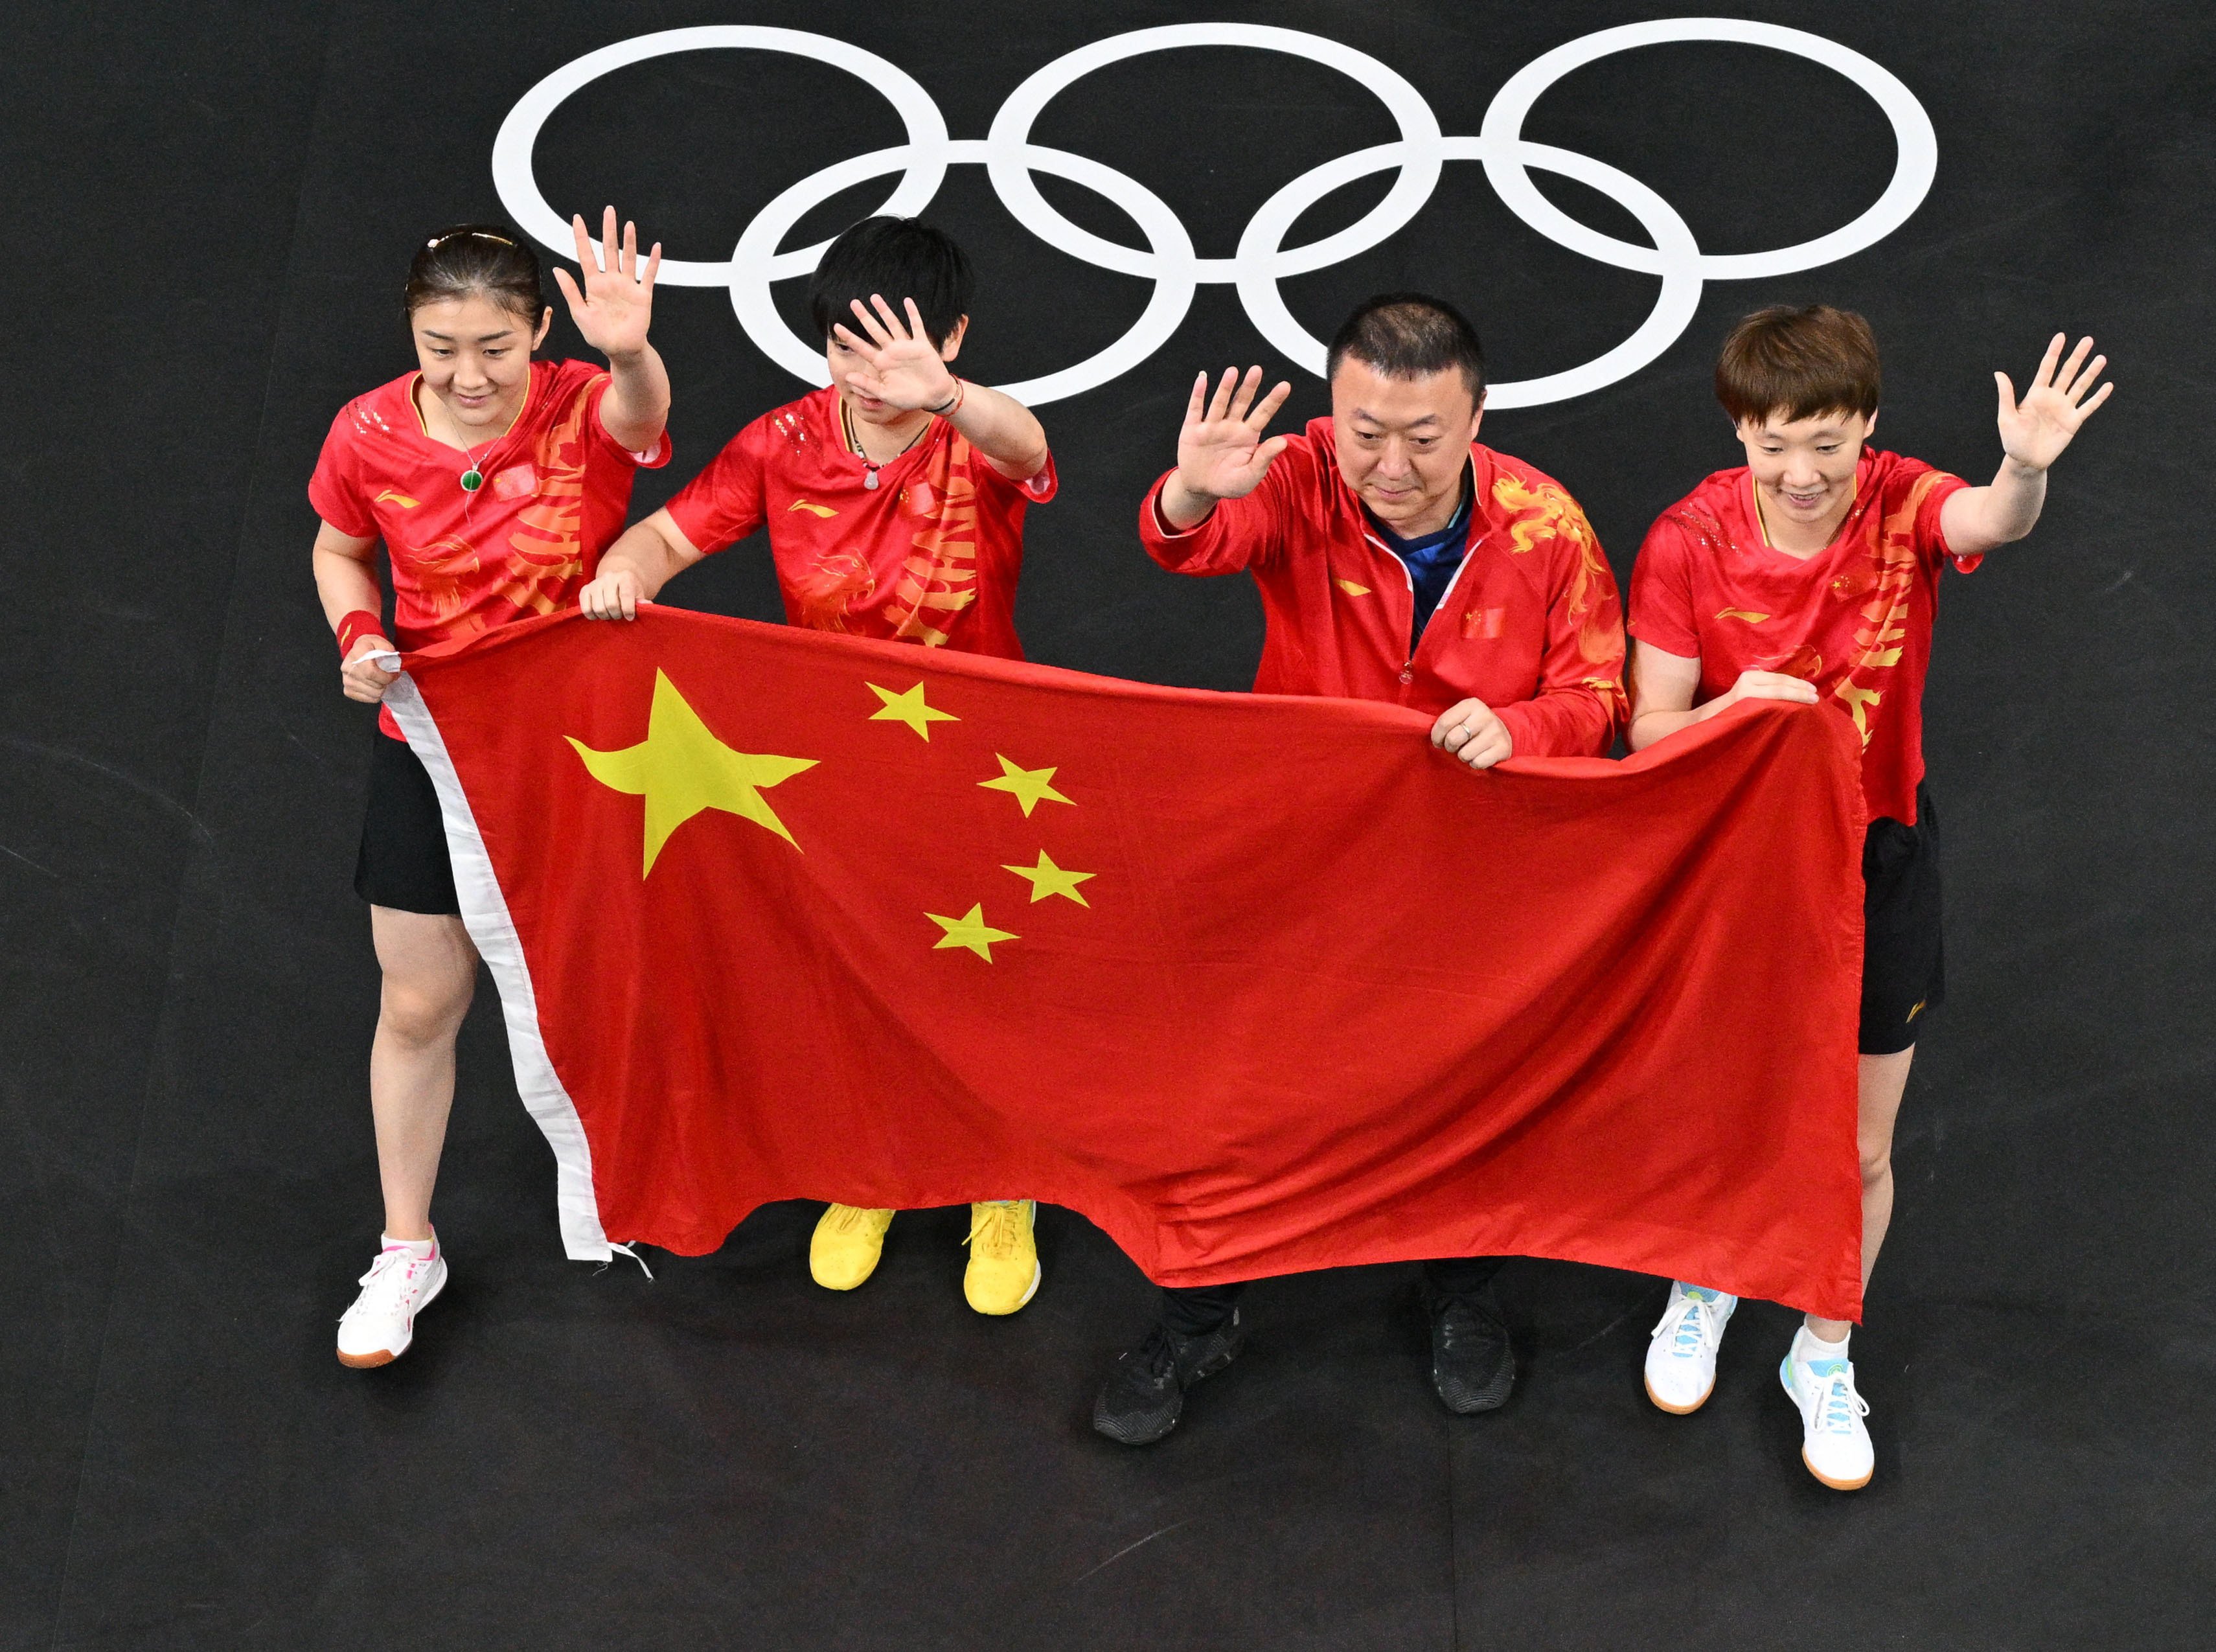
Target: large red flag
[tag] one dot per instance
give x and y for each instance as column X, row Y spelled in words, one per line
column 1257, row 984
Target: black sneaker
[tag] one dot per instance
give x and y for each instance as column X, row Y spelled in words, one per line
column 1145, row 1392
column 1473, row 1367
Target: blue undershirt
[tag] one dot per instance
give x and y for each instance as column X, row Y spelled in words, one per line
column 1432, row 560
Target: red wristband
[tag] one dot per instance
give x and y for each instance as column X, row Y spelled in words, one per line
column 354, row 627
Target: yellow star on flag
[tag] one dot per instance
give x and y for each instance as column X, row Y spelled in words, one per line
column 1047, row 878
column 1027, row 785
column 970, row 930
column 682, row 768
column 908, row 707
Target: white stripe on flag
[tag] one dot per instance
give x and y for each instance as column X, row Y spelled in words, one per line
column 484, row 912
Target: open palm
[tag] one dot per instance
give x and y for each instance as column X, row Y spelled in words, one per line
column 1220, row 451
column 2035, row 430
column 900, row 364
column 616, row 305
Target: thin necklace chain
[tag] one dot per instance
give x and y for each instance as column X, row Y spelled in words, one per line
column 472, row 465
column 854, row 440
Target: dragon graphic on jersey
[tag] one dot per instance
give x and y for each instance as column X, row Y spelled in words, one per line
column 840, row 583
column 939, row 578
column 1891, row 546
column 441, row 571
column 550, row 543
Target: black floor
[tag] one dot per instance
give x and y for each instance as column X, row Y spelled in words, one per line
column 212, row 207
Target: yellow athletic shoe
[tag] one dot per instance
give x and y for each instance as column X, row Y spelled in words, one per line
column 1004, row 1267
column 848, row 1241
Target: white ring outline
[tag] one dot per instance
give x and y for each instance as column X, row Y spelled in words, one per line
column 517, row 185
column 1173, row 288
column 1915, row 145
column 1260, row 260
column 1665, row 323
column 1012, row 127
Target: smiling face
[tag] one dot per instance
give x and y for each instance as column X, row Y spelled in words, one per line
column 1402, row 442
column 475, row 355
column 1804, row 473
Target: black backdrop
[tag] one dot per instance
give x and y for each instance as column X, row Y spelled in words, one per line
column 211, row 211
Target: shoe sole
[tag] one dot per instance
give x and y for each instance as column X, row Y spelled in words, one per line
column 1661, row 1404
column 386, row 1356
column 1029, row 1291
column 1826, row 1479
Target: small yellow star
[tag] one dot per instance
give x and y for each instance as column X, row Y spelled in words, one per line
column 970, row 930
column 682, row 768
column 1047, row 878
column 908, row 707
column 1027, row 785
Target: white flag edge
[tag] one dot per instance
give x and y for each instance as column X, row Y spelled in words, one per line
column 485, row 914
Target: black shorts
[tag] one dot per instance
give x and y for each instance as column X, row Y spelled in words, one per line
column 1904, row 961
column 403, row 863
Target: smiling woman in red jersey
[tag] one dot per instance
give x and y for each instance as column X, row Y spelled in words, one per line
column 1811, row 575
column 495, row 482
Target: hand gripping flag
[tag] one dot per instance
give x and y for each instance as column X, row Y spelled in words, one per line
column 1257, row 984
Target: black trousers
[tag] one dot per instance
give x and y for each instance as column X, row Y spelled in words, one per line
column 1195, row 1310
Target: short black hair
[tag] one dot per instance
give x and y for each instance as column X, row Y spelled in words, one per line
column 1410, row 336
column 901, row 258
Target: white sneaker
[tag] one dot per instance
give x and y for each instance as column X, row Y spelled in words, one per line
column 1834, row 1444
column 1681, row 1358
column 399, row 1286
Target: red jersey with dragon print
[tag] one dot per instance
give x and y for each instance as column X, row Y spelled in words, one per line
column 1855, row 618
column 555, row 491
column 930, row 555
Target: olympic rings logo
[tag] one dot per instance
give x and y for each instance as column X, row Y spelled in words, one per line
column 1010, row 159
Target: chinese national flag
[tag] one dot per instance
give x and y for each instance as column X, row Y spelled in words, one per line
column 1257, row 984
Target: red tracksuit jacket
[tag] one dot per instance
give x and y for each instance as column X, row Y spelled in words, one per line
column 1531, row 624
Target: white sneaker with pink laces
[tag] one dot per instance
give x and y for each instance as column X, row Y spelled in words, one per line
column 399, row 1285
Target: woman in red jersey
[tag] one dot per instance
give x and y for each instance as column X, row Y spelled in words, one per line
column 1811, row 575
column 495, row 481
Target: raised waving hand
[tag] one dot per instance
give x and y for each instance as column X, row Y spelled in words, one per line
column 615, row 305
column 2035, row 430
column 1222, row 453
column 899, row 364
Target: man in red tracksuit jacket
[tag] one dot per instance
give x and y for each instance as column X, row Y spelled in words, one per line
column 1399, row 560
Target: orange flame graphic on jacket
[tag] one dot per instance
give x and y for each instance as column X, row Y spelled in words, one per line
column 1546, row 512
